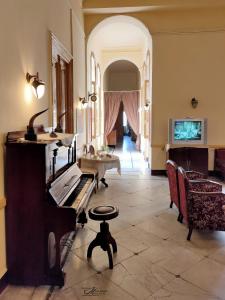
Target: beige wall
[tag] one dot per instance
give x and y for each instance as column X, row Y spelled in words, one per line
column 188, row 61
column 188, row 65
column 25, row 47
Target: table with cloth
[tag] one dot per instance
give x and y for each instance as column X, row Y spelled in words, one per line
column 101, row 164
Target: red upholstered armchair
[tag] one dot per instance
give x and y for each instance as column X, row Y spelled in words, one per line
column 171, row 168
column 201, row 203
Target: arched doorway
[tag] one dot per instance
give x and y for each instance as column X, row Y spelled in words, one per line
column 122, row 78
column 114, row 49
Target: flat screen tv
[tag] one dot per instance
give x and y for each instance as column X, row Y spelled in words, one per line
column 188, row 131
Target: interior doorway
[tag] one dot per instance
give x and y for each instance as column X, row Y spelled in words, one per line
column 120, row 78
column 125, row 61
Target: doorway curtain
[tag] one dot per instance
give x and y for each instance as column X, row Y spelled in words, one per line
column 112, row 104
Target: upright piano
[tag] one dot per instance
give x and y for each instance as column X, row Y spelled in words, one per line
column 46, row 197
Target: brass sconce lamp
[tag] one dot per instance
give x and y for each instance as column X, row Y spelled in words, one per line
column 194, row 102
column 92, row 96
column 147, row 106
column 84, row 102
column 38, row 85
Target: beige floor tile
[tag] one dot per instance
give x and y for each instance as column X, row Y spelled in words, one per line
column 95, row 287
column 179, row 289
column 76, row 270
column 138, row 277
column 17, row 293
column 84, row 236
column 209, row 276
column 135, row 240
column 99, row 261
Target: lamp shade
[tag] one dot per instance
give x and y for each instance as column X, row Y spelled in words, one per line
column 38, row 86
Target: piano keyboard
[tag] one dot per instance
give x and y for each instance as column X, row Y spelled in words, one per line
column 78, row 194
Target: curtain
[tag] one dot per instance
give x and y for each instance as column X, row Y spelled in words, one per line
column 112, row 106
column 131, row 104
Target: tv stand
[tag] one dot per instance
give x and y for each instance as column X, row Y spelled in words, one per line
column 190, row 158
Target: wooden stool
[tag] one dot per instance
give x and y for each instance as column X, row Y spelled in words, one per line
column 103, row 238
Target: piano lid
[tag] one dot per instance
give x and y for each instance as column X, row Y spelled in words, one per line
column 64, row 185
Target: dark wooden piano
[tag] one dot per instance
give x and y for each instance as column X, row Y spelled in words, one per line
column 46, row 197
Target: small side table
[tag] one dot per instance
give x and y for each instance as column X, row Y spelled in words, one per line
column 101, row 164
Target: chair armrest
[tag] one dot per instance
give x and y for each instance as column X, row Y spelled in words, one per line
column 205, row 185
column 192, row 175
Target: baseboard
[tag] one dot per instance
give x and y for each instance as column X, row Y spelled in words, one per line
column 3, row 282
column 158, row 173
column 213, row 173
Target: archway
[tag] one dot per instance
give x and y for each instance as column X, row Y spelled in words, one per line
column 111, row 42
column 122, row 79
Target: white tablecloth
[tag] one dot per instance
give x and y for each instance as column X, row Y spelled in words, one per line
column 101, row 164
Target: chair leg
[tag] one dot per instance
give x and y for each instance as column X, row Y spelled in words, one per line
column 180, row 218
column 171, row 204
column 190, row 233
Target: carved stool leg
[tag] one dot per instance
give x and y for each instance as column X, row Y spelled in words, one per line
column 92, row 245
column 110, row 256
column 113, row 243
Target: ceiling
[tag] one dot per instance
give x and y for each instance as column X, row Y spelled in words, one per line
column 126, row 6
column 120, row 34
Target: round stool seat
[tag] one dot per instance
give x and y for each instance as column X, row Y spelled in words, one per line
column 102, row 213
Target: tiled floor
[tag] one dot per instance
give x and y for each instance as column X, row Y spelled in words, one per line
column 154, row 260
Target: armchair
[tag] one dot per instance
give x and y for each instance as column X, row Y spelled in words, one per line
column 171, row 168
column 205, row 211
column 192, row 192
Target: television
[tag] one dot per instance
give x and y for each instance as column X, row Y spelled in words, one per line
column 188, row 131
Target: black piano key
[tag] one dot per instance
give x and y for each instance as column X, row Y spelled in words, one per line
column 76, row 192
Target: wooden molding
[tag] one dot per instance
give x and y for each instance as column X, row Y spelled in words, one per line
column 2, row 203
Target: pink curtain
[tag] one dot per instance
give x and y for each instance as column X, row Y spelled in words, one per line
column 112, row 106
column 131, row 103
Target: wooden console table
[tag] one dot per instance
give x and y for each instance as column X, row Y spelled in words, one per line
column 190, row 158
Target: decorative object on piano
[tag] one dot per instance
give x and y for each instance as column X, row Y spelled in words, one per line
column 31, row 135
column 84, row 102
column 59, row 126
column 53, row 134
column 91, row 150
column 103, row 238
column 38, row 86
column 194, row 102
column 92, row 96
column 84, row 149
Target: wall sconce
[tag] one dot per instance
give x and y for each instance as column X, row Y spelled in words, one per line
column 147, row 106
column 84, row 102
column 93, row 97
column 38, row 86
column 194, row 102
